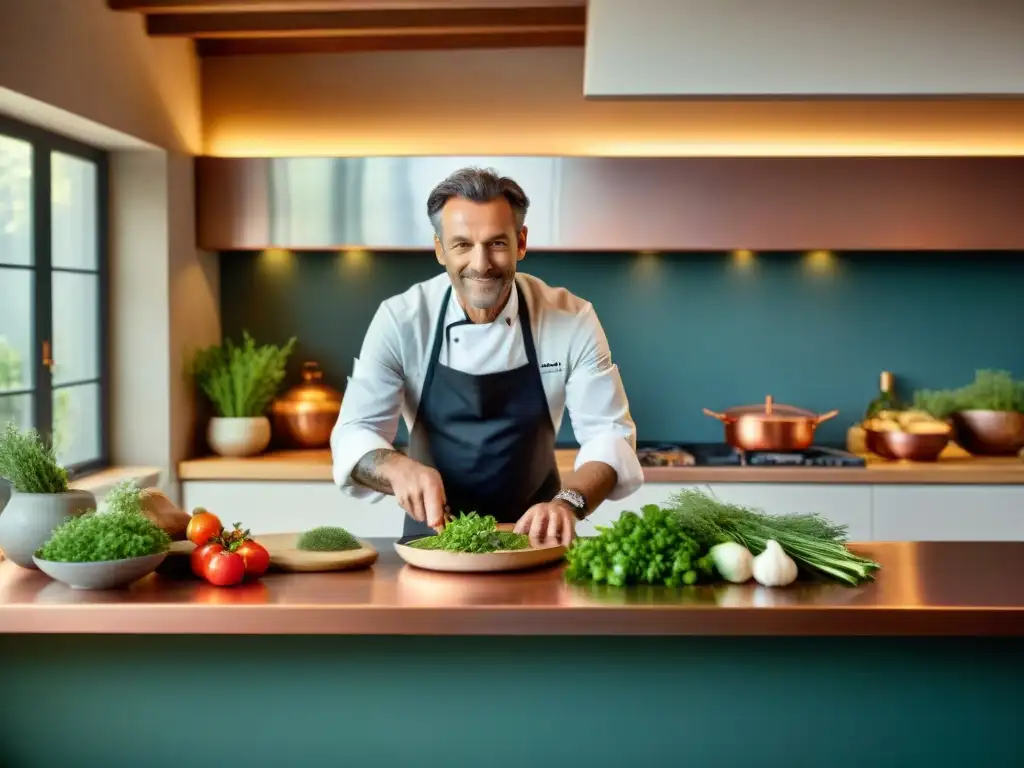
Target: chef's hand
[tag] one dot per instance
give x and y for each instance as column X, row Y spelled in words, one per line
column 548, row 522
column 418, row 489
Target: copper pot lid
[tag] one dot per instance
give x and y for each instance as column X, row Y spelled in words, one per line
column 311, row 395
column 769, row 410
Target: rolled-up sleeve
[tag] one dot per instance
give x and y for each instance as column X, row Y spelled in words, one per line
column 372, row 404
column 598, row 408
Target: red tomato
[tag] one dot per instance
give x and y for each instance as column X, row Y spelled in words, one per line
column 201, row 555
column 202, row 527
column 225, row 568
column 255, row 556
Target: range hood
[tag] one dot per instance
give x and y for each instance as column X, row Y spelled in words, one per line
column 804, row 48
column 624, row 204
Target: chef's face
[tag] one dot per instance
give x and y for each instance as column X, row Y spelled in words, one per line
column 479, row 247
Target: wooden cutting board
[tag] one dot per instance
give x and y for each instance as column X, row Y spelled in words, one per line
column 285, row 557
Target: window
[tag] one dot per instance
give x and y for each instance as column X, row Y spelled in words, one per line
column 53, row 292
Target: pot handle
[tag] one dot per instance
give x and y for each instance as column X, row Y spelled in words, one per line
column 826, row 416
column 719, row 416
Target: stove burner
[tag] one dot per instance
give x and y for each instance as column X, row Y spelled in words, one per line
column 722, row 455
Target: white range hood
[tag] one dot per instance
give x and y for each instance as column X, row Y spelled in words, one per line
column 804, row 48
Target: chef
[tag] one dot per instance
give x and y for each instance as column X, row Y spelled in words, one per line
column 481, row 361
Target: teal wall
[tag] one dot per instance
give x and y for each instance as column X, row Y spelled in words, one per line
column 94, row 701
column 693, row 330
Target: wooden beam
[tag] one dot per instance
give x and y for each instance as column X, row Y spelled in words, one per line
column 300, row 6
column 274, row 45
column 366, row 23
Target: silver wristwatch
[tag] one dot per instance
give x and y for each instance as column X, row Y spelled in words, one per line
column 575, row 500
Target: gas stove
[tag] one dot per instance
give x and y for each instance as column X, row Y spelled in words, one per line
column 723, row 455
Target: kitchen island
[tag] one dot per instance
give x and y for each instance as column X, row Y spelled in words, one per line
column 394, row 666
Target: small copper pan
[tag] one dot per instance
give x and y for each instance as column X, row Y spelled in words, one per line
column 770, row 427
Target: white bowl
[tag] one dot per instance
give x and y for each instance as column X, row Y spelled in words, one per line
column 106, row 574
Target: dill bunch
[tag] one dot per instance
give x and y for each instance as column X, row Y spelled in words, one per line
column 241, row 380
column 120, row 532
column 469, row 532
column 327, row 538
column 29, row 464
column 816, row 544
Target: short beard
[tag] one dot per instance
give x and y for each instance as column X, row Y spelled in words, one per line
column 486, row 302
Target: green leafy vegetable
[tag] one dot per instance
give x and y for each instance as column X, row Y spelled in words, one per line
column 990, row 391
column 472, row 533
column 813, row 542
column 241, row 380
column 651, row 548
column 119, row 532
column 327, row 538
column 29, row 464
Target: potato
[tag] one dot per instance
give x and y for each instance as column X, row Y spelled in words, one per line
column 933, row 427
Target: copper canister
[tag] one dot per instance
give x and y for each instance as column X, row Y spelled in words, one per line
column 304, row 416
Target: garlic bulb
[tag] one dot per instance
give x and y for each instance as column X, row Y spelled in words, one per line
column 773, row 567
column 733, row 561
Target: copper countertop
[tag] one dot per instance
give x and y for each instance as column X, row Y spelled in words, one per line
column 954, row 467
column 940, row 588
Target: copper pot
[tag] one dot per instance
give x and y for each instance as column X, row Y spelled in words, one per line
column 305, row 415
column 989, row 433
column 770, row 427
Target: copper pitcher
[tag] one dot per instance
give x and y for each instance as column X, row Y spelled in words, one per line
column 770, row 427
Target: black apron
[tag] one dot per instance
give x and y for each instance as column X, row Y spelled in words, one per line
column 490, row 437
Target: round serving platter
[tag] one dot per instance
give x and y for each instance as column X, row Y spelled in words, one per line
column 479, row 562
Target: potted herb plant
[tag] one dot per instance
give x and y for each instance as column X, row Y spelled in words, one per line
column 41, row 500
column 107, row 549
column 240, row 381
column 987, row 414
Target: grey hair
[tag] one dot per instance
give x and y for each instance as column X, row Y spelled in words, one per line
column 481, row 185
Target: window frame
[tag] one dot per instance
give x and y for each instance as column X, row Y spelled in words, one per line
column 44, row 143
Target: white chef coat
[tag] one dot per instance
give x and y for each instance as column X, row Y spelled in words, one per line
column 572, row 351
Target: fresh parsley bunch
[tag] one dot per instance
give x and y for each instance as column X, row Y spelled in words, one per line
column 652, row 548
column 119, row 532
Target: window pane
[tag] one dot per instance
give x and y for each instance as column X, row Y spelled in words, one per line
column 16, row 338
column 17, row 409
column 76, row 335
column 15, row 201
column 74, row 196
column 76, row 423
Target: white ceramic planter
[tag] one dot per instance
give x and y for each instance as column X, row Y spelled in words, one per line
column 29, row 518
column 238, row 437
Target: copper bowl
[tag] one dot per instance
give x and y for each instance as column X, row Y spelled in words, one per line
column 908, row 446
column 989, row 433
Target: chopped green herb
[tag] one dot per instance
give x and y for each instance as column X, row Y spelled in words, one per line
column 472, row 533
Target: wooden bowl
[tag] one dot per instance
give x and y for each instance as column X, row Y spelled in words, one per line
column 908, row 446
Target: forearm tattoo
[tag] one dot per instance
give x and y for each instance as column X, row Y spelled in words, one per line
column 367, row 469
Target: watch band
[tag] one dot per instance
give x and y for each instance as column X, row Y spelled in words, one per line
column 574, row 499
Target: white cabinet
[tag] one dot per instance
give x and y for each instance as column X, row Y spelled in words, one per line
column 948, row 513
column 285, row 506
column 282, row 506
